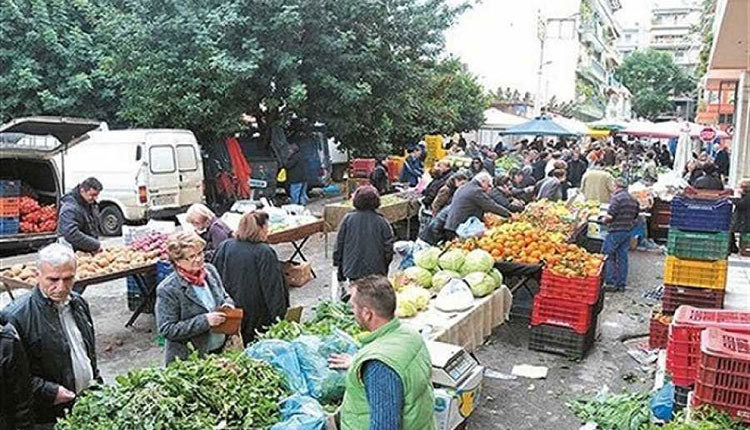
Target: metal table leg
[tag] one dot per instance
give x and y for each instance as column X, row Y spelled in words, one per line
column 298, row 252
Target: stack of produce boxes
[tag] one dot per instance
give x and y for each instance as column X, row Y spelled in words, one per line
column 723, row 380
column 695, row 270
column 9, row 207
column 684, row 347
column 564, row 319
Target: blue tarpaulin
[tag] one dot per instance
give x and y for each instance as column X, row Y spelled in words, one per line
column 543, row 126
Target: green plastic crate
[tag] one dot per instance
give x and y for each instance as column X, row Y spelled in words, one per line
column 698, row 245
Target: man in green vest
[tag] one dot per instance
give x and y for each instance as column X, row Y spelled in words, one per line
column 388, row 383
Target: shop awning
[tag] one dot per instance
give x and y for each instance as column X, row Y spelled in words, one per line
column 539, row 126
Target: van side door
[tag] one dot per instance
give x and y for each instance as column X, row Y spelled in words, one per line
column 163, row 175
column 190, row 170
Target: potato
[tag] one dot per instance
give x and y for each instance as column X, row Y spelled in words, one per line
column 16, row 269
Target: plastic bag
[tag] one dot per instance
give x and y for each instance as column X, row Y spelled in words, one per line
column 301, row 413
column 662, row 402
column 455, row 296
column 325, row 384
column 472, row 227
column 283, row 356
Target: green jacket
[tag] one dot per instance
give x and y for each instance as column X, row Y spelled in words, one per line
column 404, row 351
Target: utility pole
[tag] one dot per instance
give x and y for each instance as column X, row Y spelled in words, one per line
column 541, row 33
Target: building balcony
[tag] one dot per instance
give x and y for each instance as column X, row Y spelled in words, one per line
column 593, row 69
column 671, row 43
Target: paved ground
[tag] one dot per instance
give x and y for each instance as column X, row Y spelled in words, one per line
column 505, row 404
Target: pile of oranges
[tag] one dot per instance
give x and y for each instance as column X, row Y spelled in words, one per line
column 520, row 242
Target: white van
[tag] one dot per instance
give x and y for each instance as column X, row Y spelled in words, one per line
column 146, row 173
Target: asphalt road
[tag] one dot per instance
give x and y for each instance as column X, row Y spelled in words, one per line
column 505, row 404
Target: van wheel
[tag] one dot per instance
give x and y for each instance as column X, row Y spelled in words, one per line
column 111, row 221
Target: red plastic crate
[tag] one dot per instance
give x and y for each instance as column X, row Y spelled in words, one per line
column 658, row 332
column 675, row 296
column 562, row 313
column 724, row 374
column 583, row 290
column 683, row 346
column 9, row 207
column 361, row 167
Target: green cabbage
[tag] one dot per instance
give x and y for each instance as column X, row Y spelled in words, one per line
column 478, row 260
column 497, row 276
column 405, row 309
column 427, row 258
column 411, row 300
column 421, row 276
column 442, row 277
column 453, row 260
column 480, row 283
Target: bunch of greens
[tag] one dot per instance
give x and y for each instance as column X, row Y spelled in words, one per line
column 230, row 391
column 328, row 315
column 631, row 411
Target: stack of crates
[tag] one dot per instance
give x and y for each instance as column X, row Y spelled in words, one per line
column 695, row 270
column 723, row 380
column 565, row 316
column 684, row 344
column 9, row 207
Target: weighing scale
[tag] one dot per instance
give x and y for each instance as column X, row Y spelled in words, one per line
column 457, row 377
column 451, row 364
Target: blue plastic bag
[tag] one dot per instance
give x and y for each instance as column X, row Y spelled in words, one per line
column 472, row 227
column 283, row 356
column 662, row 402
column 325, row 384
column 301, row 413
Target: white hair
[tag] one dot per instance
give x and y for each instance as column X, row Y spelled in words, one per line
column 483, row 178
column 56, row 255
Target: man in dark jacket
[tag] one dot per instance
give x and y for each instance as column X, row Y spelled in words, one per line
column 296, row 176
column 722, row 161
column 442, row 172
column 15, row 396
column 413, row 167
column 576, row 168
column 379, row 176
column 710, row 179
column 472, row 200
column 79, row 216
column 56, row 329
column 538, row 166
column 501, row 193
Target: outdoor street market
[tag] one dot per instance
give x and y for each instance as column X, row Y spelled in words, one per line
column 214, row 229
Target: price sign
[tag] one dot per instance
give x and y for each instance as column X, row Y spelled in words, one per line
column 708, row 134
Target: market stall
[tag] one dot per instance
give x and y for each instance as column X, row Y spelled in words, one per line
column 92, row 269
column 298, row 236
column 394, row 207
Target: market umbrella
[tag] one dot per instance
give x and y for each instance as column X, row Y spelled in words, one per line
column 683, row 153
column 540, row 126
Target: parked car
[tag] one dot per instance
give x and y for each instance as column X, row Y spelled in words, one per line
column 146, row 173
column 27, row 149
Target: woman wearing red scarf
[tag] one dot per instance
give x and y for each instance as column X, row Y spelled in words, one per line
column 187, row 300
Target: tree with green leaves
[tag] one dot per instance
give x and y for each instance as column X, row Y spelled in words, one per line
column 653, row 77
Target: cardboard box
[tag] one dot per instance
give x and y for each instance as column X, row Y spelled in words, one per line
column 453, row 406
column 296, row 274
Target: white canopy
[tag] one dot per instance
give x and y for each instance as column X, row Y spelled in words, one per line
column 495, row 118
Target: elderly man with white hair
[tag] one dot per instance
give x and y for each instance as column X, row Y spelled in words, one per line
column 57, row 332
column 472, row 199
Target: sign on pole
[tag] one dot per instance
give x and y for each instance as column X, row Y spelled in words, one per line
column 708, row 134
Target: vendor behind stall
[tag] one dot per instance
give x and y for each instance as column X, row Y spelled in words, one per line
column 79, row 217
column 210, row 228
column 388, row 382
column 472, row 200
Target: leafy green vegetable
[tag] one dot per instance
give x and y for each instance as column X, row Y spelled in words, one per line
column 453, row 260
column 228, row 391
column 478, row 260
column 480, row 283
column 420, row 276
column 441, row 278
column 427, row 258
column 328, row 315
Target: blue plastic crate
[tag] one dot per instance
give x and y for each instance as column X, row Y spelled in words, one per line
column 163, row 269
column 10, row 188
column 9, row 226
column 700, row 215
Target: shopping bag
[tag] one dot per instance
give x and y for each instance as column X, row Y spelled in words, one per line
column 472, row 227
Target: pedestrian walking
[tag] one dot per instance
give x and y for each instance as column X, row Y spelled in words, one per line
column 620, row 218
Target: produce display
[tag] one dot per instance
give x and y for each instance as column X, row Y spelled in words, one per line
column 386, row 200
column 230, row 391
column 434, row 268
column 507, row 163
column 328, row 316
column 36, row 218
column 631, row 411
column 457, row 162
column 555, row 217
column 111, row 260
column 521, row 242
column 151, row 242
